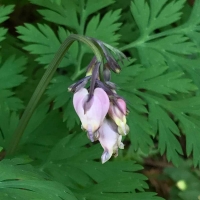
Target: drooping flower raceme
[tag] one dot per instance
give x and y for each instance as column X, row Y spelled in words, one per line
column 91, row 113
column 101, row 110
column 110, row 140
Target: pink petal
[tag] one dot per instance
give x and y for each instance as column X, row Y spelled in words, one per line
column 93, row 117
column 110, row 140
column 79, row 96
column 103, row 97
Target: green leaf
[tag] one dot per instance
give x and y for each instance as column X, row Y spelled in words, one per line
column 128, row 72
column 93, row 6
column 154, row 79
column 45, row 43
column 67, row 13
column 156, row 14
column 187, row 111
column 43, row 131
column 105, row 29
column 56, row 1
column 8, row 123
column 4, row 12
column 21, row 181
column 58, row 92
column 11, row 70
column 140, row 132
column 63, row 14
column 167, row 130
column 66, row 156
column 3, row 31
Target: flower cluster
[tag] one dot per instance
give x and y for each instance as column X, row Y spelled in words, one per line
column 101, row 110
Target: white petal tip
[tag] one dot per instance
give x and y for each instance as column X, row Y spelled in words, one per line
column 121, row 145
column 90, row 137
column 105, row 157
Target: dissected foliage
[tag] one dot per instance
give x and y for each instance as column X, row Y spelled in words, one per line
column 160, row 82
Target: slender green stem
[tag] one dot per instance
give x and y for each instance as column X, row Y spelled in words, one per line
column 137, row 42
column 142, row 39
column 15, row 139
column 77, row 69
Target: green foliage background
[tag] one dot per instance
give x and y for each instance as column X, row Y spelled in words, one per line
column 160, row 82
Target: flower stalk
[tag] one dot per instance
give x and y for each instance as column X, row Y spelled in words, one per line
column 15, row 139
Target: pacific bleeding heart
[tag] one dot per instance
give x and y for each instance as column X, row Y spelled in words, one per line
column 110, row 140
column 102, row 112
column 91, row 113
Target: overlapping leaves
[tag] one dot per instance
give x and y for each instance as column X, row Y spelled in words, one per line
column 4, row 12
column 10, row 69
column 10, row 77
column 66, row 156
column 169, row 46
column 145, row 93
column 20, row 180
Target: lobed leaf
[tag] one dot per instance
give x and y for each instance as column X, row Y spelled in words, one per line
column 45, row 43
column 21, row 181
column 10, row 77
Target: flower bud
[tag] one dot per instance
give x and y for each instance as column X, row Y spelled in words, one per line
column 117, row 111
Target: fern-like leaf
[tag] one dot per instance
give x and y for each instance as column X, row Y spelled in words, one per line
column 10, row 70
column 4, row 12
column 22, row 181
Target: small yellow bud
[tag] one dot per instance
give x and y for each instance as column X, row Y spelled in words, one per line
column 181, row 185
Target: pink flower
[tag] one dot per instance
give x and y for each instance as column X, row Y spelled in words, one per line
column 110, row 140
column 91, row 113
column 118, row 114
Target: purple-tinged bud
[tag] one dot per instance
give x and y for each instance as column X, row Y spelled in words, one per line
column 92, row 112
column 106, row 73
column 91, row 65
column 78, row 85
column 111, row 85
column 112, row 64
column 117, row 111
column 110, row 140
